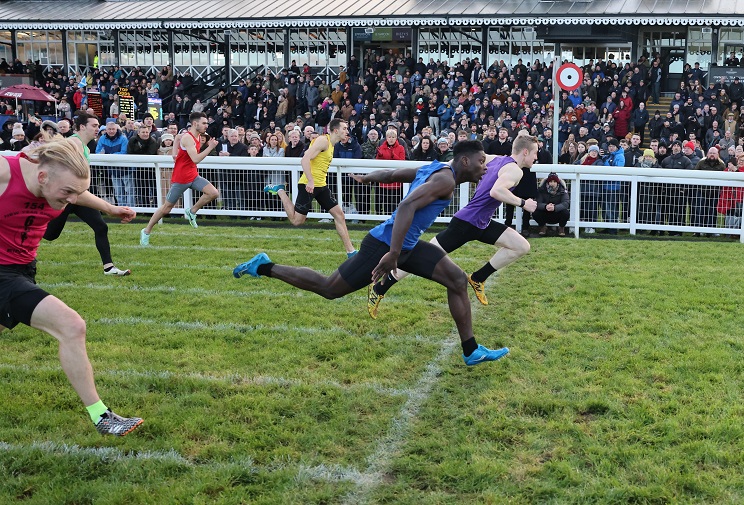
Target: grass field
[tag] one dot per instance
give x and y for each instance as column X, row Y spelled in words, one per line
column 624, row 384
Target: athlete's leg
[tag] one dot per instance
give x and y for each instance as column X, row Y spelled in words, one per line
column 93, row 218
column 331, row 287
column 52, row 316
column 294, row 217
column 512, row 247
column 449, row 275
column 209, row 194
column 339, row 218
column 163, row 211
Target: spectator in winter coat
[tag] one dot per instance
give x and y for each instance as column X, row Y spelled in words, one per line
column 113, row 141
column 552, row 205
column 143, row 144
column 355, row 196
column 388, row 195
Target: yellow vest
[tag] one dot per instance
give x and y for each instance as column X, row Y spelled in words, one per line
column 319, row 165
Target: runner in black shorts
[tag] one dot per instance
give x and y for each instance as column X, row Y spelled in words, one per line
column 395, row 243
column 34, row 189
column 474, row 222
column 313, row 184
column 304, row 203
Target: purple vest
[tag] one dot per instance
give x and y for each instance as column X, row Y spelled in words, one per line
column 481, row 207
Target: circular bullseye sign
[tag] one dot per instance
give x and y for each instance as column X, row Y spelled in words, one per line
column 568, row 76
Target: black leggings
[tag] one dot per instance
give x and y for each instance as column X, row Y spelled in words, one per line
column 89, row 216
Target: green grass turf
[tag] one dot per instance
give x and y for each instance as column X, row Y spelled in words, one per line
column 624, row 382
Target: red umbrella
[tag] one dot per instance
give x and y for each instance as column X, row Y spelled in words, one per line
column 26, row 92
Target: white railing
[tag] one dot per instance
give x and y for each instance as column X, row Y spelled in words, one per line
column 671, row 193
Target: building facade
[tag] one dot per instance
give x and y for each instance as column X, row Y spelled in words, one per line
column 243, row 38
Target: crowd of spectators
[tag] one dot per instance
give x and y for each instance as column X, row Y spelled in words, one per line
column 400, row 107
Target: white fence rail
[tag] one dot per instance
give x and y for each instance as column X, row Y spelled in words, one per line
column 611, row 198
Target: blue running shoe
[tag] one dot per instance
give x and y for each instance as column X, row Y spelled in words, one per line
column 251, row 267
column 483, row 354
column 274, row 189
column 352, row 254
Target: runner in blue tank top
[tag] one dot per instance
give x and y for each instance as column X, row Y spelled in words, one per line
column 395, row 244
column 473, row 222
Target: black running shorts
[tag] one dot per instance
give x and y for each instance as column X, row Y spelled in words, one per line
column 460, row 232
column 421, row 261
column 304, row 202
column 19, row 294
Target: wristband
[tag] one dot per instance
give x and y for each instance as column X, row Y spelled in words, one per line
column 521, row 204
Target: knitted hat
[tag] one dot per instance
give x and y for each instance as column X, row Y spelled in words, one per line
column 593, row 148
column 49, row 124
column 649, row 153
column 18, row 129
column 553, row 177
column 166, row 136
column 690, row 145
column 443, row 140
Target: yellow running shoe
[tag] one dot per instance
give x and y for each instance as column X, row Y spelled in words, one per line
column 373, row 301
column 480, row 290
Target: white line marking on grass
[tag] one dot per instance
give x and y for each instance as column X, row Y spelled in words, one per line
column 296, row 235
column 102, row 453
column 134, row 264
column 230, row 378
column 329, row 473
column 390, row 444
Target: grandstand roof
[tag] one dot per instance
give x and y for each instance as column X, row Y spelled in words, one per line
column 109, row 14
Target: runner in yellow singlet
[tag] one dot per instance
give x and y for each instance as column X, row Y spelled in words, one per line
column 315, row 164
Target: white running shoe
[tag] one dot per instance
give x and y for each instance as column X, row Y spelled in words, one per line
column 117, row 272
column 589, row 230
column 190, row 217
column 144, row 238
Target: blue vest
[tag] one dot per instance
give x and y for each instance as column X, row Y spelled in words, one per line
column 422, row 218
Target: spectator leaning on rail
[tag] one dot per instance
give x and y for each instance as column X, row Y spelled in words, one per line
column 610, row 193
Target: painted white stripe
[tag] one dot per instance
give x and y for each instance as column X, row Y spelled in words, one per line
column 388, row 446
column 230, row 378
column 154, row 248
column 329, row 473
column 85, row 234
column 102, row 453
column 133, row 264
column 118, row 287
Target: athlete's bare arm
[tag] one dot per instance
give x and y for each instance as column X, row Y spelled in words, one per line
column 87, row 199
column 187, row 143
column 387, row 176
column 439, row 186
column 509, row 176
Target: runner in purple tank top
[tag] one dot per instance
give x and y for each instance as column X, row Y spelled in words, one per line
column 473, row 222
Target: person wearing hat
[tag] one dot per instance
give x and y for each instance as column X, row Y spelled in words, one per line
column 590, row 189
column 553, row 205
column 444, row 153
column 18, row 140
column 50, row 127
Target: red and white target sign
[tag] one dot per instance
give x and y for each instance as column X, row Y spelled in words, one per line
column 569, row 76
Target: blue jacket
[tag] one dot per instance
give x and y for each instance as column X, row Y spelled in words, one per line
column 116, row 145
column 616, row 159
column 445, row 112
column 349, row 150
